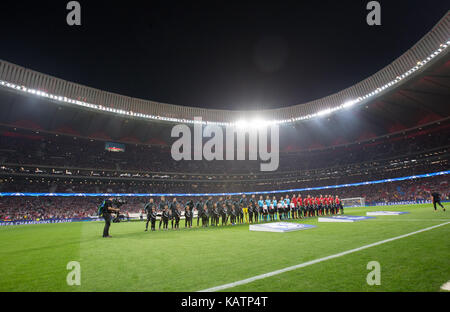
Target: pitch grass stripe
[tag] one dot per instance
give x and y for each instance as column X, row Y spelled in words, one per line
column 302, row 265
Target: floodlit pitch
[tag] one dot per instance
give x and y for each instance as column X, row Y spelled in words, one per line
column 36, row 257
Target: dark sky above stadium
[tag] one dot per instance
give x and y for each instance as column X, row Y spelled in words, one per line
column 215, row 54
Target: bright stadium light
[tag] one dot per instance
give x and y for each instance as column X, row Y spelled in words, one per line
column 324, row 112
column 349, row 103
column 241, row 124
column 258, row 123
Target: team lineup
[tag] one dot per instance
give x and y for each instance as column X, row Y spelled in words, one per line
column 229, row 211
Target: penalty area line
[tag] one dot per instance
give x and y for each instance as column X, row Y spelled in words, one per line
column 305, row 264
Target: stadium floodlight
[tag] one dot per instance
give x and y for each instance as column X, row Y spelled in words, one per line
column 258, row 123
column 241, row 124
column 349, row 103
column 324, row 112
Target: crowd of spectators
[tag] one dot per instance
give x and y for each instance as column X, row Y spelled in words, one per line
column 79, row 153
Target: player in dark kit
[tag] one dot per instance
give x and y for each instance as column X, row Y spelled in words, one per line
column 209, row 204
column 250, row 213
column 218, row 207
column 223, row 213
column 204, row 215
column 152, row 218
column 188, row 217
column 148, row 210
column 228, row 203
column 233, row 214
column 176, row 216
column 162, row 203
column 190, row 204
column 215, row 215
column 165, row 218
column 436, row 197
column 199, row 207
column 173, row 208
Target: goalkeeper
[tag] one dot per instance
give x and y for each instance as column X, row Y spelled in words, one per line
column 244, row 206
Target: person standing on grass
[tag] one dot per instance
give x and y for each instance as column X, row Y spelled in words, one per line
column 176, row 216
column 309, row 206
column 233, row 214
column 273, row 209
column 287, row 207
column 173, row 208
column 148, row 210
column 436, row 197
column 216, row 211
column 152, row 218
column 239, row 212
column 204, row 215
column 300, row 206
column 333, row 204
column 228, row 203
column 199, row 207
column 209, row 205
column 107, row 209
column 223, row 214
column 279, row 208
column 244, row 206
column 165, row 218
column 162, row 204
column 188, row 217
column 189, row 204
column 261, row 208
column 294, row 207
column 339, row 206
column 267, row 208
column 253, row 210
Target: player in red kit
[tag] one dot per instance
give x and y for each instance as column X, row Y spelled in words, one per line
column 322, row 205
column 331, row 203
column 307, row 204
column 300, row 206
column 318, row 201
column 338, row 204
column 294, row 207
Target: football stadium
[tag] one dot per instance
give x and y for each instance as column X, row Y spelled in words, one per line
column 103, row 192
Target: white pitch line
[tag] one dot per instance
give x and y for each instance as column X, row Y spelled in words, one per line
column 302, row 265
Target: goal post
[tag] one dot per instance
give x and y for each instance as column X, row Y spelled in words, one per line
column 353, row 202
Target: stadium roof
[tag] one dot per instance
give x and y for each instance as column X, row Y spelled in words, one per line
column 428, row 51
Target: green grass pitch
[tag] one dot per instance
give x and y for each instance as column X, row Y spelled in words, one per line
column 34, row 257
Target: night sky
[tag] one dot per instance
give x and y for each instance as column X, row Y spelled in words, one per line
column 215, row 54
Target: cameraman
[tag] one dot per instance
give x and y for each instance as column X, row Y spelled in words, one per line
column 106, row 213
